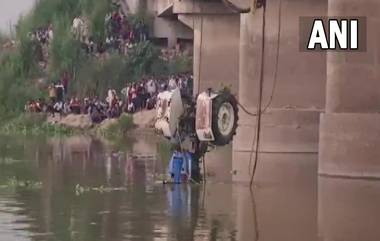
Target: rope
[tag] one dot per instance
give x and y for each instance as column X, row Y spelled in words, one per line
column 254, row 216
column 277, row 57
column 256, row 144
column 260, row 112
column 245, row 109
column 275, row 75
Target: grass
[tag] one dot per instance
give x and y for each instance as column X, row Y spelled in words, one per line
column 32, row 124
column 118, row 129
column 21, row 79
column 165, row 150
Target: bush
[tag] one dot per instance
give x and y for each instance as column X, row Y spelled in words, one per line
column 120, row 127
column 126, row 123
column 95, row 77
column 180, row 64
column 90, row 76
column 141, row 59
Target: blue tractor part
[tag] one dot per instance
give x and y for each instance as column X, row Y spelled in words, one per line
column 176, row 167
column 183, row 167
column 178, row 197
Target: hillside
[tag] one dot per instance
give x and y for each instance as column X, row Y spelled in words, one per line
column 27, row 66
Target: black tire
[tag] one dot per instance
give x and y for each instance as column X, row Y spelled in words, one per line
column 225, row 138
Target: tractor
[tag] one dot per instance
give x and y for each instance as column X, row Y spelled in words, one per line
column 193, row 125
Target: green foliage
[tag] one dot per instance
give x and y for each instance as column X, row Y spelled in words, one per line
column 65, row 54
column 141, row 59
column 96, row 77
column 96, row 16
column 3, row 38
column 119, row 128
column 14, row 91
column 19, row 68
column 165, row 150
column 180, row 64
column 125, row 122
column 32, row 124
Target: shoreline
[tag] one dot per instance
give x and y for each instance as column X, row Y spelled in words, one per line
column 141, row 120
column 41, row 124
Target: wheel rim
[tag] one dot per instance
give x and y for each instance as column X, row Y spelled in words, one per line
column 226, row 118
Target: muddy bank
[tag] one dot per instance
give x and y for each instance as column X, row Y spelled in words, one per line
column 145, row 119
column 142, row 121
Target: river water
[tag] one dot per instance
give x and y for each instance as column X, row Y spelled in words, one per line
column 291, row 205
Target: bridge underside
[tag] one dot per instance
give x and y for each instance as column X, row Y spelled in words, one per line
column 318, row 103
column 322, row 115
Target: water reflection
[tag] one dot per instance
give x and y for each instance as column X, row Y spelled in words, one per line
column 145, row 210
column 288, row 203
column 348, row 209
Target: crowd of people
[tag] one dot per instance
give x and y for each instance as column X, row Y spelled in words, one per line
column 132, row 98
column 118, row 26
column 42, row 38
column 44, row 35
column 122, row 33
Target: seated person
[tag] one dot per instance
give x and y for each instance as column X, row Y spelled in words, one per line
column 40, row 105
column 86, row 106
column 75, row 106
column 58, row 107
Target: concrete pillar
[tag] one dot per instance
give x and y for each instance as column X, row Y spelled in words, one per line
column 172, row 41
column 216, row 61
column 216, row 52
column 290, row 124
column 283, row 206
column 350, row 128
column 216, row 65
column 216, row 43
column 348, row 209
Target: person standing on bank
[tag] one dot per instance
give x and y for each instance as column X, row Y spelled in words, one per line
column 59, row 87
column 52, row 93
column 65, row 81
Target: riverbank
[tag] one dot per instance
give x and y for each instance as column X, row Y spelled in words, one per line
column 45, row 50
column 141, row 120
column 41, row 124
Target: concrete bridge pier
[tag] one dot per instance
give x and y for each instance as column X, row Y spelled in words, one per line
column 216, row 43
column 349, row 135
column 348, row 209
column 350, row 128
column 216, row 62
column 294, row 88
